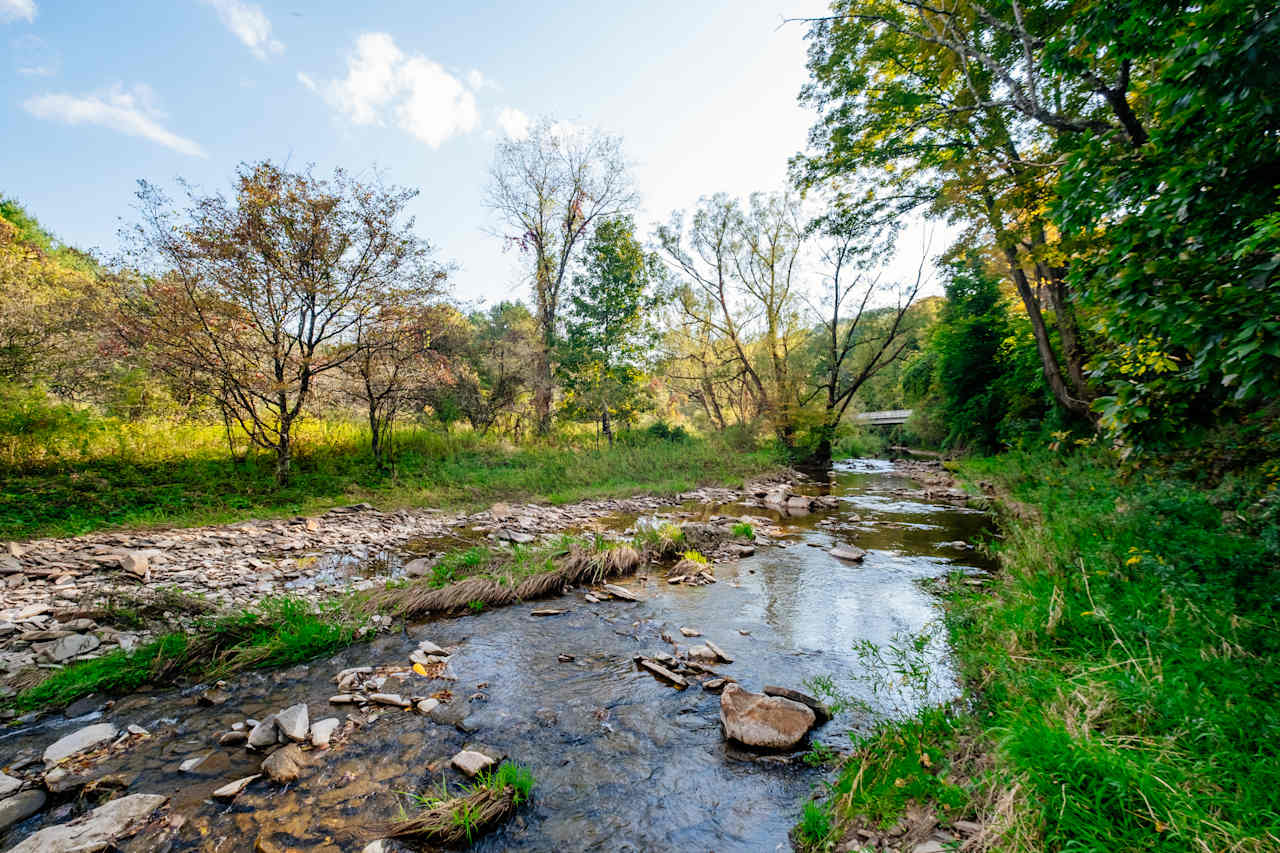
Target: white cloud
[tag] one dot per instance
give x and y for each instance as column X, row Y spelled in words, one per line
column 248, row 23
column 514, row 123
column 132, row 112
column 476, row 80
column 384, row 85
column 305, row 79
column 18, row 10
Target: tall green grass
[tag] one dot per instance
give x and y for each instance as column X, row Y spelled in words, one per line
column 123, row 474
column 1123, row 672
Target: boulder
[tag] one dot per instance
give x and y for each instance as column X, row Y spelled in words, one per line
column 322, row 731
column 285, row 764
column 235, row 738
column 770, row 722
column 20, row 806
column 78, row 741
column 294, row 722
column 777, row 497
column 620, row 592
column 429, row 648
column 135, row 563
column 851, row 553
column 426, row 706
column 820, row 711
column 100, row 829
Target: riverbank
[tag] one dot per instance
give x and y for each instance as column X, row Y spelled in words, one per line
column 114, row 612
column 1121, row 678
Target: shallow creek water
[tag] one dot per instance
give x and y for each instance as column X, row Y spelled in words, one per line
column 622, row 761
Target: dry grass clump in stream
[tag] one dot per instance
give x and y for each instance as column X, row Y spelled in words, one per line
column 503, row 577
column 450, row 821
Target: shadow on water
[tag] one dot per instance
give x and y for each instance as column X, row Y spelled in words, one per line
column 622, row 761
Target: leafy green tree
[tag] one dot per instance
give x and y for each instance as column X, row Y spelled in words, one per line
column 608, row 335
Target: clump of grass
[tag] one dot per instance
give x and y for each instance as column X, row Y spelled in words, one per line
column 456, row 565
column 446, row 820
column 815, row 825
column 695, row 557
column 517, row 777
column 278, row 632
column 742, row 530
column 665, row 541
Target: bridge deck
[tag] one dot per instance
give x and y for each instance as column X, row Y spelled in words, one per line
column 886, row 418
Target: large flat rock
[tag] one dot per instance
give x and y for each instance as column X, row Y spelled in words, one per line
column 78, row 741
column 98, row 830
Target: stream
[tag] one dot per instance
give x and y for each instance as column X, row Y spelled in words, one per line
column 622, row 761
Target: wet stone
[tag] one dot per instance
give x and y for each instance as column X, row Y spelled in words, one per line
column 78, row 741
column 20, row 806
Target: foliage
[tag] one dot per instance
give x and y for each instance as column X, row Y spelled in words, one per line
column 607, row 336
column 742, row 530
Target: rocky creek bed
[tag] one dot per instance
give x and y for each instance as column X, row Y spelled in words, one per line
column 625, row 758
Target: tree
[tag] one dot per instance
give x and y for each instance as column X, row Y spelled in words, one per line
column 858, row 339
column 551, row 188
column 489, row 366
column 397, row 348
column 740, row 271
column 259, row 295
column 607, row 334
column 944, row 109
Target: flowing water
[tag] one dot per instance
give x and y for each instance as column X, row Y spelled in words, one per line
column 622, row 761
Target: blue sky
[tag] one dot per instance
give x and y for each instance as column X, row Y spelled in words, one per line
column 98, row 95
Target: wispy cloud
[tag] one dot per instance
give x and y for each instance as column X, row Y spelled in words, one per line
column 384, row 85
column 33, row 57
column 18, row 10
column 514, row 123
column 306, row 80
column 247, row 22
column 132, row 112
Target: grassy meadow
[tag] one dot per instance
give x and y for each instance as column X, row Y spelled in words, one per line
column 105, row 473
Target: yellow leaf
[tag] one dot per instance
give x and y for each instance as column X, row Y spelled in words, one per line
column 420, row 669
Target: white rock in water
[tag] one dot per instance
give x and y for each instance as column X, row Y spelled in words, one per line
column 847, row 552
column 470, row 763
column 8, row 784
column 426, row 706
column 322, row 731
column 78, row 741
column 192, row 763
column 233, row 789
column 294, row 722
column 264, row 733
column 98, row 830
column 429, row 648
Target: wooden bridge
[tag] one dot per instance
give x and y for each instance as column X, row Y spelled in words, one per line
column 889, row 418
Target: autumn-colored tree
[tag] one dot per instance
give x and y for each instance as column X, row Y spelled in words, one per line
column 258, row 295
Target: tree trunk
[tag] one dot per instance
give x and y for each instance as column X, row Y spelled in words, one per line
column 283, row 453
column 375, row 436
column 543, row 383
column 1048, row 358
column 605, row 426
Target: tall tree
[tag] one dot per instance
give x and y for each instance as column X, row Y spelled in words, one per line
column 608, row 335
column 551, row 188
column 260, row 294
column 740, row 273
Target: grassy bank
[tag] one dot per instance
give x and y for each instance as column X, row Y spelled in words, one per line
column 1122, row 675
column 159, row 473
